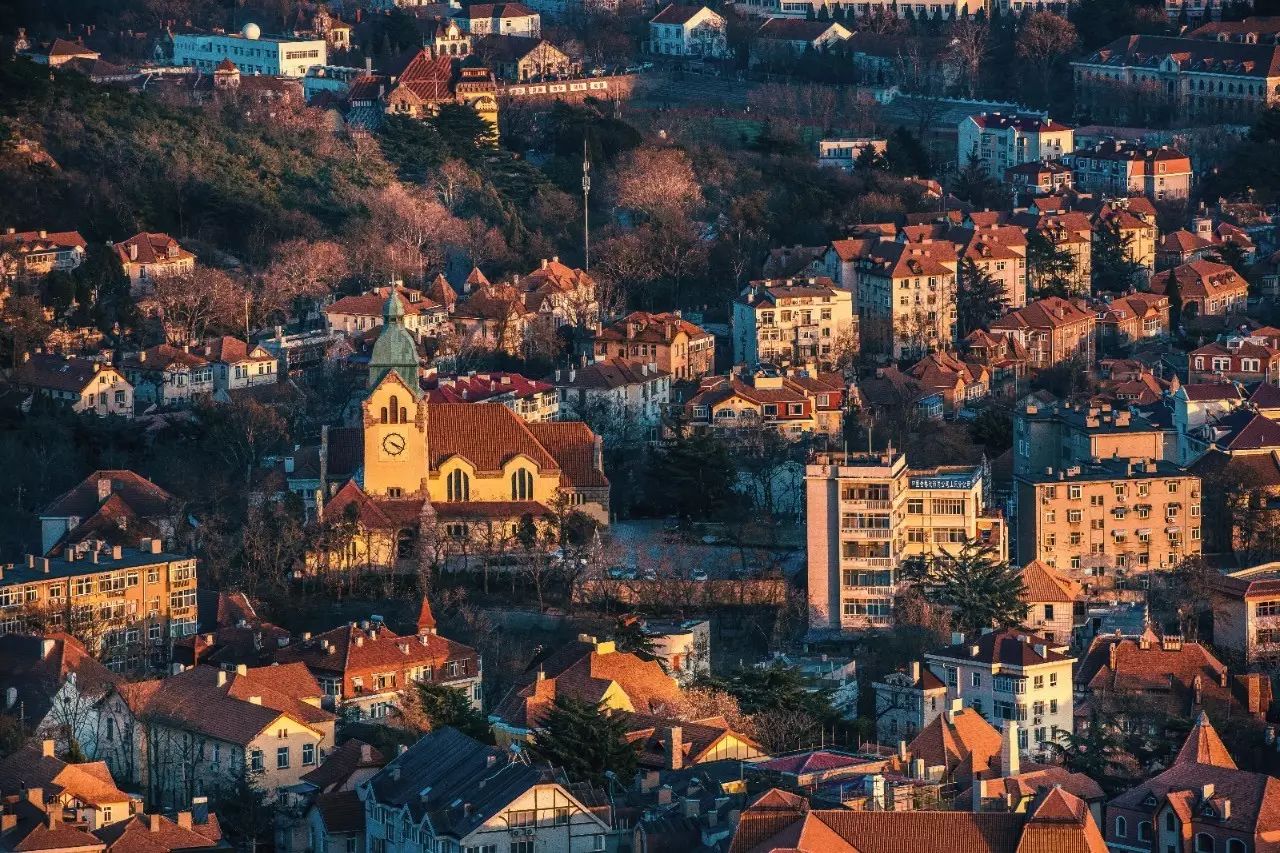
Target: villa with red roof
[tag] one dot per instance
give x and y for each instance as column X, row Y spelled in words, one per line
column 1207, row 288
column 145, row 257
column 679, row 347
column 37, row 253
column 1053, row 330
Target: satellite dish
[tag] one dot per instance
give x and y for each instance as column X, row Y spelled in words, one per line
column 251, row 31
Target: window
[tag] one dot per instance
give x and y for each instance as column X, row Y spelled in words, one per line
column 282, row 758
column 1204, row 842
column 521, row 485
column 521, row 818
column 1235, row 845
column 1144, row 831
column 255, row 759
column 1170, row 823
column 522, row 847
column 952, row 678
column 1268, row 608
column 1048, row 613
column 1053, row 679
column 975, row 679
column 458, row 486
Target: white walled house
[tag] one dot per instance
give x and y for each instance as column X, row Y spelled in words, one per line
column 1004, row 140
column 503, row 19
column 250, row 52
column 689, row 31
column 613, row 388
column 450, row 792
column 1011, row 675
column 80, row 384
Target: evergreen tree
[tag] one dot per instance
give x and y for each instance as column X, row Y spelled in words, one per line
column 629, row 636
column 1049, row 267
column 442, row 705
column 978, row 188
column 464, row 130
column 1173, row 290
column 585, row 742
column 1091, row 750
column 694, row 476
column 906, row 156
column 869, row 159
column 980, row 590
column 979, row 298
column 1114, row 271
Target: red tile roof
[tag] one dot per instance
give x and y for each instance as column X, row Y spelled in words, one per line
column 1042, row 584
column 152, row 249
column 143, row 496
column 674, row 14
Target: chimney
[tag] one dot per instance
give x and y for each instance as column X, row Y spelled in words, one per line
column 104, row 488
column 664, row 795
column 979, row 793
column 1010, row 758
column 46, row 748
column 955, row 706
column 47, row 646
column 35, row 796
column 366, row 753
column 200, row 810
column 241, row 669
column 915, row 672
column 133, row 251
column 184, row 820
column 675, row 748
column 117, row 552
column 222, row 677
column 917, row 768
column 902, row 750
column 153, row 822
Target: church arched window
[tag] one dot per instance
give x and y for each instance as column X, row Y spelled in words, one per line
column 458, row 486
column 521, row 485
column 384, row 414
column 395, row 410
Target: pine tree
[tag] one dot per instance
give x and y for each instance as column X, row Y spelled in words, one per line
column 442, row 705
column 694, row 477
column 629, row 636
column 978, row 188
column 979, row 298
column 585, row 741
column 981, row 590
column 1049, row 267
column 1114, row 271
column 1173, row 290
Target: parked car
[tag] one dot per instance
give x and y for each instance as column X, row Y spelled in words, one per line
column 699, row 575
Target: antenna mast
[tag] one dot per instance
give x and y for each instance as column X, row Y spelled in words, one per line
column 586, row 215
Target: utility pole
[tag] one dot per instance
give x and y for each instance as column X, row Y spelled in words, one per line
column 586, row 215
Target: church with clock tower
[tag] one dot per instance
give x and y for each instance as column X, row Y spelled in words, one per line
column 476, row 468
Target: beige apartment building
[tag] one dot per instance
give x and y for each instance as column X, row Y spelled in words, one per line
column 124, row 604
column 1060, row 435
column 1109, row 521
column 678, row 347
column 868, row 512
column 790, row 322
column 907, row 297
column 1246, row 612
column 1054, row 330
column 1118, row 168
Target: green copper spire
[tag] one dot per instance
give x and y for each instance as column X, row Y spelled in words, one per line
column 394, row 349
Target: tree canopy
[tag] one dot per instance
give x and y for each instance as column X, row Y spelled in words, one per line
column 586, row 742
column 980, row 589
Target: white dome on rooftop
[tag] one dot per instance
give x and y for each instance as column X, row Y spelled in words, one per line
column 251, row 31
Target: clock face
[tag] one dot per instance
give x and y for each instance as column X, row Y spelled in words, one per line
column 393, row 444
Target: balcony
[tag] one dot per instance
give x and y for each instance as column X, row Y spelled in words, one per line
column 867, row 562
column 859, row 503
column 867, row 532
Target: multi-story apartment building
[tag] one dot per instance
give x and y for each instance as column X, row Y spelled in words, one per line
column 1011, row 675
column 125, row 604
column 1137, row 231
column 1108, row 521
column 946, row 10
column 1053, row 330
column 1001, row 141
column 612, row 389
column 250, row 51
column 35, row 253
column 1071, row 232
column 906, row 297
column 1125, row 320
column 1061, row 435
column 689, row 31
column 1043, row 177
column 868, row 512
column 907, row 701
column 80, row 384
column 1136, row 76
column 1000, row 251
column 793, row 403
column 683, row 349
column 788, row 322
column 1246, row 612
column 1117, row 167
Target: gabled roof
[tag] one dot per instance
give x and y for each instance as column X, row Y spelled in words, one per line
column 1042, row 584
column 29, row 767
column 341, row 768
column 1190, row 54
column 143, row 496
column 1009, row 647
column 958, row 740
column 573, row 445
column 158, row 834
column 152, row 249
column 798, row 29
column 352, row 650
column 58, row 372
column 605, row 374
column 498, row 10
column 487, row 435
column 674, row 14
column 1052, row 312
column 37, row 667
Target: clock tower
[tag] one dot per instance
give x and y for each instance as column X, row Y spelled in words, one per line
column 395, row 412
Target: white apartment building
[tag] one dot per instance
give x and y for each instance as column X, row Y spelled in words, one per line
column 1004, row 140
column 1011, row 675
column 250, row 52
column 868, row 512
column 791, row 322
column 614, row 391
column 936, row 9
column 689, row 31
